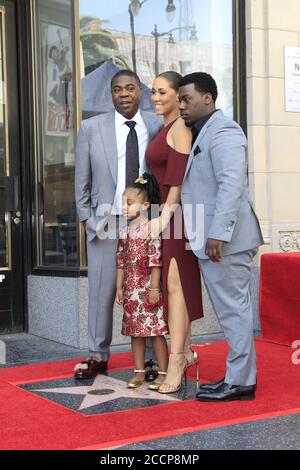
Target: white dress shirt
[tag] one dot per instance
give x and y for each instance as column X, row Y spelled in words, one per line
column 122, row 131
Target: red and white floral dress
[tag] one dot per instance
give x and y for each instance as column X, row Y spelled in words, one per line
column 136, row 255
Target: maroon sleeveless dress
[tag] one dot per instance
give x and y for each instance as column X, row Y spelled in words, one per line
column 168, row 167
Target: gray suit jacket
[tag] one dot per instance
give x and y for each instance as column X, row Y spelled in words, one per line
column 215, row 194
column 96, row 168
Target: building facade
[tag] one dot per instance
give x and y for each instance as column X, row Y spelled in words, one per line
column 57, row 59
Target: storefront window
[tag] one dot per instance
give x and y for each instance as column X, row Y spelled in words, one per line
column 150, row 37
column 4, row 261
column 147, row 36
column 57, row 229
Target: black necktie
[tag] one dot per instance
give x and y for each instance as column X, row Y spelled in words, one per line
column 132, row 154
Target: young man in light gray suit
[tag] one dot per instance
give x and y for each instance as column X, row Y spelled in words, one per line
column 110, row 151
column 216, row 206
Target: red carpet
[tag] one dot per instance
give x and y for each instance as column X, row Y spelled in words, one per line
column 29, row 421
column 280, row 297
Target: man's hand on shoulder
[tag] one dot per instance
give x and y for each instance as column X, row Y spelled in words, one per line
column 214, row 249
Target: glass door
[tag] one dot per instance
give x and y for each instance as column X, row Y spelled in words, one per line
column 11, row 268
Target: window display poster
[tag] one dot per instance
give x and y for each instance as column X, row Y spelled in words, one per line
column 58, row 79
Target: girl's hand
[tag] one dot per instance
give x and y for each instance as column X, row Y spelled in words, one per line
column 119, row 296
column 154, row 297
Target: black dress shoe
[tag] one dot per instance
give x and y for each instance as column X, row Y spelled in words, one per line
column 212, row 386
column 151, row 373
column 91, row 368
column 228, row 392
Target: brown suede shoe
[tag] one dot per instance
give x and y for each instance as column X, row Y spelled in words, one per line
column 89, row 369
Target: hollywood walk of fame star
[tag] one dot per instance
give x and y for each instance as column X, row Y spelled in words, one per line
column 108, row 389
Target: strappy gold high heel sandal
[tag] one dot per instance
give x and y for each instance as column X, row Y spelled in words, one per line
column 170, row 388
column 155, row 385
column 194, row 361
column 135, row 383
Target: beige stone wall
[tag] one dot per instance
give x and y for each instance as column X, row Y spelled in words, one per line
column 274, row 135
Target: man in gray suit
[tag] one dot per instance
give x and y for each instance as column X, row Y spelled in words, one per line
column 215, row 200
column 110, row 151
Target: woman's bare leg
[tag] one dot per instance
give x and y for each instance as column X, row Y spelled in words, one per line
column 179, row 324
column 188, row 352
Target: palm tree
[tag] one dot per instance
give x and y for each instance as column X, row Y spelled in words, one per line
column 98, row 44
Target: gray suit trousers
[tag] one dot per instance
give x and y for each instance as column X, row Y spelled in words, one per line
column 228, row 286
column 102, row 290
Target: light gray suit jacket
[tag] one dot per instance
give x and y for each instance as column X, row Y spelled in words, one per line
column 96, row 167
column 216, row 183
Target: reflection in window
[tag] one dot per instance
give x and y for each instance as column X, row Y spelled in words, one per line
column 150, row 37
column 57, row 228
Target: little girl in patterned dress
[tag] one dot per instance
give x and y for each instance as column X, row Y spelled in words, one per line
column 138, row 280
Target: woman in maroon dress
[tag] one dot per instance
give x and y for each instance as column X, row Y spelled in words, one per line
column 167, row 156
